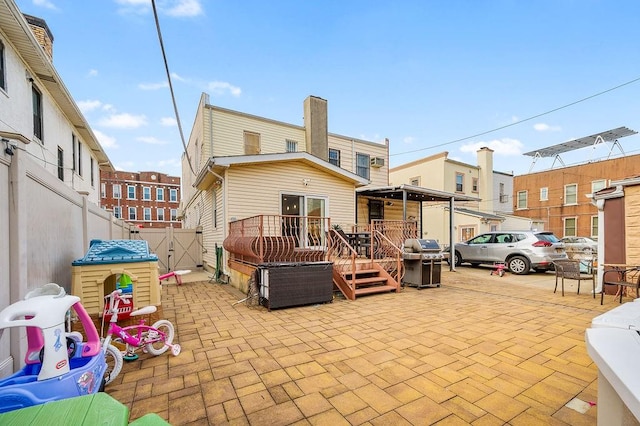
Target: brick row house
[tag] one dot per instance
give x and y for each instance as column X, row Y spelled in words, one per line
column 146, row 199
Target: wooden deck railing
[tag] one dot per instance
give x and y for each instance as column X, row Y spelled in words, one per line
column 278, row 238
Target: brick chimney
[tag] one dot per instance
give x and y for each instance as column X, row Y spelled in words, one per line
column 42, row 33
column 485, row 179
column 316, row 127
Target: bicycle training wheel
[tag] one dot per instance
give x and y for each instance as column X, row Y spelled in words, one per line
column 113, row 357
column 157, row 344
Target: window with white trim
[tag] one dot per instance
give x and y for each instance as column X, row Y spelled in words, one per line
column 594, row 226
column 36, row 98
column 159, row 194
column 570, row 224
column 544, row 194
column 117, row 212
column 459, row 182
column 160, row 215
column 147, row 214
column 174, row 215
column 363, row 165
column 103, row 190
column 131, row 192
column 117, row 191
column 334, row 157
column 173, row 195
column 571, row 194
column 132, row 213
column 522, row 200
column 292, row 146
column 597, row 185
column 146, row 193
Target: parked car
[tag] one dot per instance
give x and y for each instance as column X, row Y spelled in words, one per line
column 520, row 251
column 580, row 244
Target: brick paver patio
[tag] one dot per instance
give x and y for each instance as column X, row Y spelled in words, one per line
column 481, row 350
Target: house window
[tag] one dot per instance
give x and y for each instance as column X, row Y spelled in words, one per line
column 131, row 192
column 160, row 215
column 3, row 82
column 597, row 185
column 570, row 226
column 522, row 200
column 292, row 146
column 363, row 163
column 173, row 195
column 60, row 164
column 132, row 213
column 92, row 171
column 594, row 226
column 159, row 194
column 78, row 168
column 415, row 181
column 467, row 233
column 571, row 194
column 544, row 194
column 147, row 213
column 251, row 143
column 146, row 193
column 376, row 210
column 459, row 182
column 103, row 190
column 36, row 98
column 334, row 157
column 117, row 212
column 474, row 185
column 504, row 198
column 174, row 214
column 117, row 193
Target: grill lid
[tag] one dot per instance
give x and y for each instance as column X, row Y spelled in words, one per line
column 414, row 245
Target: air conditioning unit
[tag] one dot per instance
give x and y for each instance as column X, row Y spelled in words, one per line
column 377, row 162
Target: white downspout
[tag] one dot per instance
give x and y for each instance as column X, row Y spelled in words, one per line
column 600, row 205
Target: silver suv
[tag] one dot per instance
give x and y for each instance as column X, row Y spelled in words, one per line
column 520, row 251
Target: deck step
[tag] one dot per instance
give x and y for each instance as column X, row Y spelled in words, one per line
column 360, row 272
column 370, row 280
column 375, row 289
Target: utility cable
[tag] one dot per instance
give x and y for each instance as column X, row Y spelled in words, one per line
column 173, row 97
column 523, row 120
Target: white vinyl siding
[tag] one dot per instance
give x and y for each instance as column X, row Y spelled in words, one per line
column 258, row 191
column 230, row 127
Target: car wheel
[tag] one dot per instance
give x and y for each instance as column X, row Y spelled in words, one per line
column 519, row 265
column 458, row 259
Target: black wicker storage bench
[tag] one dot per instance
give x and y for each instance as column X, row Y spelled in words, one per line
column 294, row 284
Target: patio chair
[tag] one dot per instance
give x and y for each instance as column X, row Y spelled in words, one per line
column 625, row 277
column 570, row 269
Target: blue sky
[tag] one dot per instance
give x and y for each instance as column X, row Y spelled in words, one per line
column 427, row 75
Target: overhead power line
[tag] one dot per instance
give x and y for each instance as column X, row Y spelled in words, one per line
column 523, row 120
column 173, row 97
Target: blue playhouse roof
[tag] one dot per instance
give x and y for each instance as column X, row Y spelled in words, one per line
column 116, row 251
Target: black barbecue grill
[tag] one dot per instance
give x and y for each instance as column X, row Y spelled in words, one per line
column 422, row 263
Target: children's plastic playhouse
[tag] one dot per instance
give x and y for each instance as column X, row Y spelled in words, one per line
column 58, row 364
column 111, row 264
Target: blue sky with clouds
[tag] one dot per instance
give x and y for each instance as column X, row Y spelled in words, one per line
column 427, row 75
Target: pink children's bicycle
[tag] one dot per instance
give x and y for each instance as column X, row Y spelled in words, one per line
column 155, row 339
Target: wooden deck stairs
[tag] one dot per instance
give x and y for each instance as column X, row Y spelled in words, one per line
column 367, row 279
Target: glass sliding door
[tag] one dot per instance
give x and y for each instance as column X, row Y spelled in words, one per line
column 304, row 218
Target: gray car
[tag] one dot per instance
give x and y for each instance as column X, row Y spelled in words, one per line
column 520, row 251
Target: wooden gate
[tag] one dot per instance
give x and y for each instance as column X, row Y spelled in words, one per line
column 176, row 248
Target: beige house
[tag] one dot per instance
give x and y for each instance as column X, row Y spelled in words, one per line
column 240, row 165
column 489, row 209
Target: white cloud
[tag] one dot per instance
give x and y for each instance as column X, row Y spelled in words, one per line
column 45, row 3
column 92, row 73
column 504, row 147
column 89, row 105
column 168, row 163
column 168, row 122
column 220, row 87
column 124, row 121
column 151, row 140
column 408, row 140
column 175, row 76
column 107, row 142
column 153, row 86
column 181, row 8
column 175, row 8
column 543, row 127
